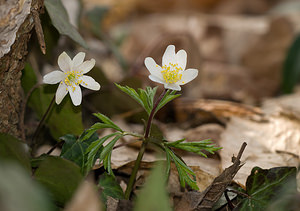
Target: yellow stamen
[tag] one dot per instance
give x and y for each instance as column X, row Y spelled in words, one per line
column 71, row 79
column 171, row 73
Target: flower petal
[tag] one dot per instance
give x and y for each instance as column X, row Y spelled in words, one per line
column 89, row 82
column 61, row 93
column 64, row 62
column 173, row 87
column 153, row 68
column 78, row 59
column 169, row 56
column 86, row 66
column 187, row 76
column 76, row 95
column 53, row 77
column 181, row 59
column 156, row 79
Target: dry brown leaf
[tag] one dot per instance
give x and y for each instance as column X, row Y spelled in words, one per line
column 197, row 110
column 206, row 199
column 259, row 135
column 202, row 132
column 86, row 198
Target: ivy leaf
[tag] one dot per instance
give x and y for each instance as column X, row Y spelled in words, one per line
column 60, row 176
column 60, row 21
column 185, row 173
column 110, row 187
column 195, row 147
column 263, row 185
column 154, row 195
column 74, row 149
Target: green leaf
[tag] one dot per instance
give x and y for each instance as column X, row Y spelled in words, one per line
column 94, row 149
column 74, row 149
column 28, row 79
column 131, row 92
column 60, row 176
column 143, row 96
column 108, row 121
column 89, row 132
column 63, row 119
column 108, row 148
column 154, row 195
column 184, row 171
column 107, row 163
column 110, row 187
column 60, row 20
column 19, row 192
column 13, row 149
column 263, row 186
column 195, row 147
column 291, row 68
column 105, row 154
column 169, row 96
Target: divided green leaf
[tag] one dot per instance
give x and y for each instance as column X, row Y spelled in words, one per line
column 144, row 97
column 106, row 153
column 60, row 21
column 195, row 147
column 169, row 96
column 94, row 150
column 108, row 121
column 186, row 174
column 131, row 92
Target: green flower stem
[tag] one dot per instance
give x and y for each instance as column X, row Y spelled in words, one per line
column 143, row 148
column 39, row 127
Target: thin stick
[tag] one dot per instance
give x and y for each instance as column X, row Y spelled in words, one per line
column 37, row 131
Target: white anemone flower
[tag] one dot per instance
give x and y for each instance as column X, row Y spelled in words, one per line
column 172, row 74
column 70, row 76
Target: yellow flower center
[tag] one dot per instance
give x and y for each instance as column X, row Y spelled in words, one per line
column 171, row 73
column 72, row 77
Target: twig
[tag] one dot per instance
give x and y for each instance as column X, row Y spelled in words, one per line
column 58, row 144
column 22, row 112
column 39, row 30
column 231, row 206
column 37, row 131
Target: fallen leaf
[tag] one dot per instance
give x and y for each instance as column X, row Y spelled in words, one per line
column 85, row 198
column 206, row 199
